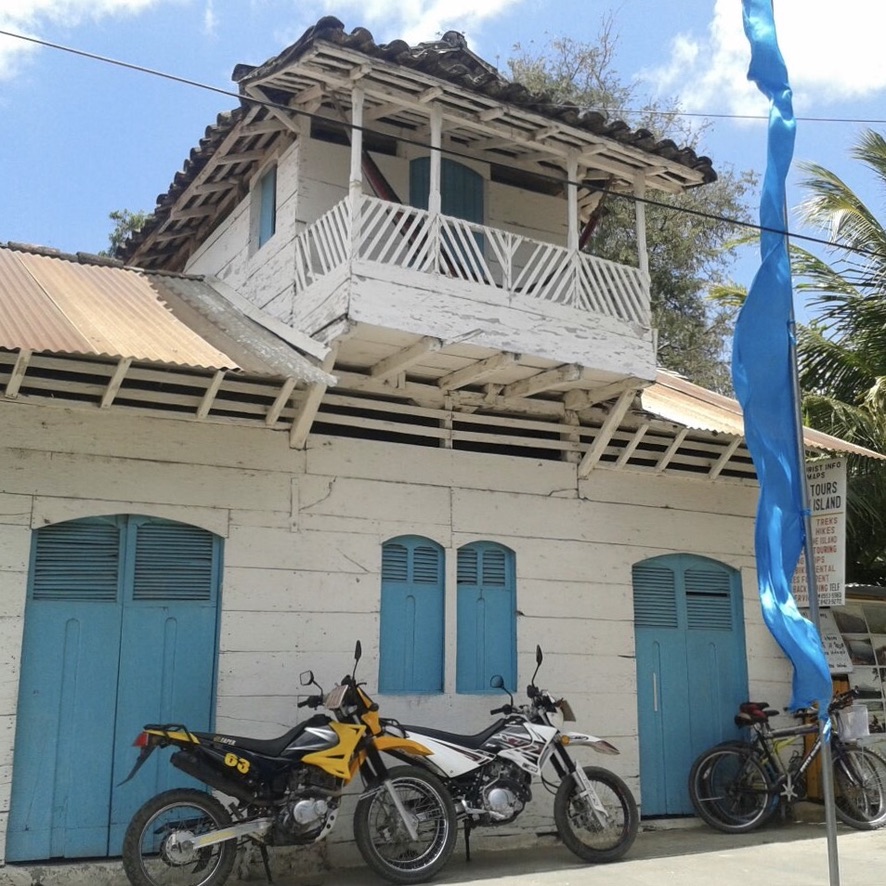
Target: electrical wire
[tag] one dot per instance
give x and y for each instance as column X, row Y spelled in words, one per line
column 452, row 153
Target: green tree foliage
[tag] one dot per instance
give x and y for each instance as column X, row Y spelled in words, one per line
column 686, row 254
column 842, row 352
column 125, row 223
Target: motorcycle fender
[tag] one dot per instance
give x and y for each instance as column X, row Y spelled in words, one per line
column 580, row 738
column 145, row 752
column 407, row 746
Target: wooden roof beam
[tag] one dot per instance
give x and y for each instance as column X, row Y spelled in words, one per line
column 115, row 383
column 632, row 445
column 542, row 381
column 476, row 371
column 402, row 360
column 723, row 460
column 210, row 395
column 672, row 450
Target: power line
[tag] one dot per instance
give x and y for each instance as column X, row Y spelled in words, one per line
column 448, row 151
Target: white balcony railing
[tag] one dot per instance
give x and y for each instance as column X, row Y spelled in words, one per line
column 401, row 236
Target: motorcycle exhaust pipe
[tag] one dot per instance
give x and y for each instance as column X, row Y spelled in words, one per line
column 194, row 766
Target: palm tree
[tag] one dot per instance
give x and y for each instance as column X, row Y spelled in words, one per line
column 842, row 352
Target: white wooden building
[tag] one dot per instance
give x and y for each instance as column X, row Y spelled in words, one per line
column 346, row 401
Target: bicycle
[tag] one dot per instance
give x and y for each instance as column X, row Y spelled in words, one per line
column 737, row 786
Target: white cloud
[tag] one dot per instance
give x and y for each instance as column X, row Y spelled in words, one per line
column 833, row 53
column 28, row 17
column 417, row 20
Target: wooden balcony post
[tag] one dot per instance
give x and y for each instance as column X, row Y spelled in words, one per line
column 355, row 180
column 434, row 198
column 572, row 224
column 640, row 217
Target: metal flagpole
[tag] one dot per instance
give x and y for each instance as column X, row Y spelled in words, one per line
column 827, row 771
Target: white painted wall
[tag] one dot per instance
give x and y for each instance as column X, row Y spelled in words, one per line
column 303, row 532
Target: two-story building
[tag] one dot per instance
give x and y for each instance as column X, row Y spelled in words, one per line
column 369, row 383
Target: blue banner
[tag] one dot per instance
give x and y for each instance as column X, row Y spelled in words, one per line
column 763, row 376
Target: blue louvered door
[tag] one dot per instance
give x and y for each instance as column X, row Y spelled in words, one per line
column 411, row 623
column 691, row 670
column 120, row 630
column 486, row 616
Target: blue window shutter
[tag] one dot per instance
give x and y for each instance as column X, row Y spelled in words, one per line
column 267, row 220
column 174, row 562
column 77, row 560
column 487, row 617
column 412, row 611
column 655, row 596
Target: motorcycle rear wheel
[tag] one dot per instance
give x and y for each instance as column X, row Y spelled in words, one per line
column 580, row 828
column 154, row 850
column 381, row 833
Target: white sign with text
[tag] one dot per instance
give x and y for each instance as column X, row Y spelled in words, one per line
column 826, row 481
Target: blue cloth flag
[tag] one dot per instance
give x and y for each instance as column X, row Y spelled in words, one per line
column 763, row 373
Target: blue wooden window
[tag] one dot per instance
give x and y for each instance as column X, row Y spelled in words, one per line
column 487, row 622
column 267, row 217
column 412, row 611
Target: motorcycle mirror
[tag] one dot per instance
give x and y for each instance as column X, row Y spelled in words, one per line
column 306, row 678
column 497, row 681
column 358, row 652
column 538, row 655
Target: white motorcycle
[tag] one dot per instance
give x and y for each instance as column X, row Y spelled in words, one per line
column 489, row 775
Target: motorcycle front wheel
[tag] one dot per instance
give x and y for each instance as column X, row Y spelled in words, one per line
column 383, row 837
column 156, row 850
column 596, row 835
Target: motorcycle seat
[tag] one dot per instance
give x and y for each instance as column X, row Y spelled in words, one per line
column 466, row 741
column 267, row 747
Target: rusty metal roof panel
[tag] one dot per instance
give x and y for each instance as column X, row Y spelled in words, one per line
column 67, row 304
column 678, row 400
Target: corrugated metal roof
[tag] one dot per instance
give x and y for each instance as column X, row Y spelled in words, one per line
column 678, row 400
column 64, row 304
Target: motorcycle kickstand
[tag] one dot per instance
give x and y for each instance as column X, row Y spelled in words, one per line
column 264, row 857
column 468, row 829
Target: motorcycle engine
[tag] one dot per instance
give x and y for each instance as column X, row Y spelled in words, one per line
column 305, row 813
column 501, row 793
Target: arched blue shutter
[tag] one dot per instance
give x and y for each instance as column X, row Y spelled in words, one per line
column 412, row 611
column 487, row 617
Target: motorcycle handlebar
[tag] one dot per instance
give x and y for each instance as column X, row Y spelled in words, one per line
column 504, row 709
column 312, row 701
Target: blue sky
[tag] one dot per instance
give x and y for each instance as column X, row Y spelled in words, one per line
column 81, row 138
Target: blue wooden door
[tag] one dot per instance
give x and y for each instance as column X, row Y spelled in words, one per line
column 120, row 630
column 691, row 670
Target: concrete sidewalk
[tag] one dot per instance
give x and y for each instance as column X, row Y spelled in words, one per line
column 783, row 854
column 787, row 854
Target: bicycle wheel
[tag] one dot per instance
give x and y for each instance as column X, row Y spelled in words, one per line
column 860, row 788
column 731, row 790
column 596, row 835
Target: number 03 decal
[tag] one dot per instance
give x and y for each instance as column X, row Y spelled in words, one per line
column 238, row 762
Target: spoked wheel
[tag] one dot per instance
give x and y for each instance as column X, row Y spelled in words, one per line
column 731, row 790
column 596, row 828
column 156, row 848
column 383, row 837
column 860, row 788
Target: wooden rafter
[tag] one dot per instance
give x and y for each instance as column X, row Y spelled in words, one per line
column 18, row 373
column 210, row 395
column 672, row 450
column 280, row 402
column 115, row 382
column 304, row 418
column 609, row 427
column 723, row 460
column 632, row 445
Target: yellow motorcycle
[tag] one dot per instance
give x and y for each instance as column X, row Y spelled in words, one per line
column 287, row 791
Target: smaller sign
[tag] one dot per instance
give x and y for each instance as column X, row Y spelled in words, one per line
column 826, row 481
column 839, row 660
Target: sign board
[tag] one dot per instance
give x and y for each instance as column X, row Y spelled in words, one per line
column 826, row 481
column 839, row 661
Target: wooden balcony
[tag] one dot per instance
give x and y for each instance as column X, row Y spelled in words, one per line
column 394, row 266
